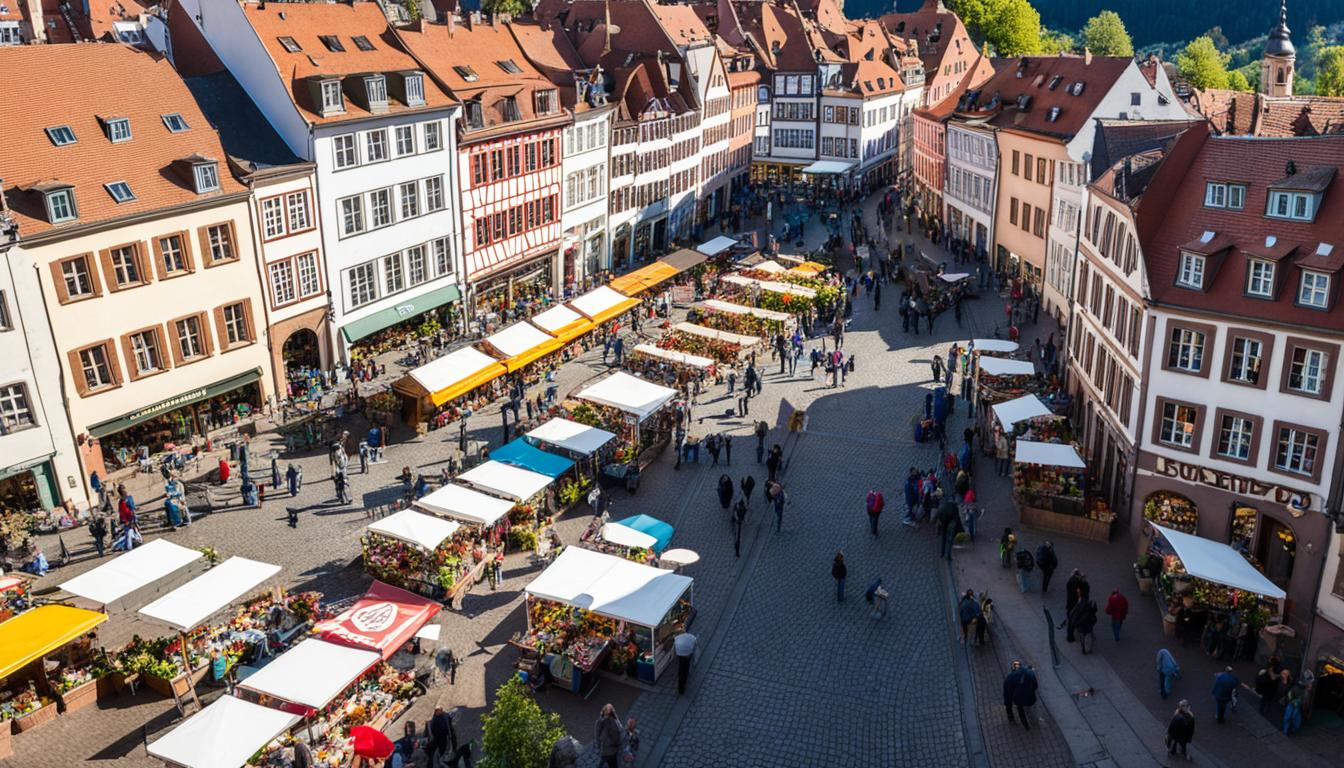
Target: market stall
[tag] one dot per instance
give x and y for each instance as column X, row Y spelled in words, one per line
column 465, row 504
column 131, row 571
column 521, row 453
column 563, row 323
column 524, row 488
column 485, row 520
column 602, row 304
column 625, row 405
column 31, row 688
column 14, row 596
column 1210, row 590
column 440, row 382
column 311, row 674
column 225, row 734
column 770, row 285
column 580, row 440
column 771, row 266
column 521, row 344
column 588, row 606
column 629, row 394
column 673, row 357
column 1010, row 412
column 742, row 340
column 998, row 379
column 1049, row 487
column 717, row 246
column 640, row 538
column 642, row 279
column 419, row 552
column 1172, row 510
column 994, row 346
column 384, row 619
column 808, row 269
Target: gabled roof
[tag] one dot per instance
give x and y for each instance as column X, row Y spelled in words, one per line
column 1252, row 114
column 551, row 52
column 1115, row 140
column 306, row 24
column 1172, row 215
column 1029, row 90
column 782, row 42
column 933, row 28
column 72, row 91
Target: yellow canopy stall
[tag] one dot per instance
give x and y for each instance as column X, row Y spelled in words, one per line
column 644, row 278
column 563, row 323
column 602, row 304
column 522, row 343
column 36, row 633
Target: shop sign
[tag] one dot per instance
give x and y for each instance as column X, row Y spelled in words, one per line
column 1226, row 481
column 405, row 310
column 163, row 406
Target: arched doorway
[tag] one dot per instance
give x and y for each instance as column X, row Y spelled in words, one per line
column 1171, row 510
column 301, row 350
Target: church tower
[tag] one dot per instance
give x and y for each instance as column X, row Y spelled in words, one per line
column 1276, row 66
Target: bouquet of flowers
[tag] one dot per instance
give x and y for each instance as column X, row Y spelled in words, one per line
column 25, row 702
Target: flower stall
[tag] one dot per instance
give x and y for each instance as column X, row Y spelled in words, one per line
column 131, row 571
column 631, row 402
column 735, row 343
column 229, row 732
column 423, row 553
column 578, row 440
column 588, row 606
column 28, row 697
column 602, row 304
column 521, row 486
column 998, row 379
column 485, row 523
column 1010, row 412
column 1049, row 484
column 640, row 539
column 646, row 359
column 14, row 597
column 738, row 318
column 383, row 619
column 564, row 324
column 438, row 383
column 1171, row 510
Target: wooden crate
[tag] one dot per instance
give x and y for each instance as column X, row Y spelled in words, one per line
column 35, row 719
column 78, row 697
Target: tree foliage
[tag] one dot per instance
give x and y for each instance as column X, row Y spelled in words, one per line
column 1105, row 35
column 1330, row 71
column 516, row 733
column 1202, row 64
column 1055, row 42
column 1011, row 27
column 507, row 7
column 1238, row 82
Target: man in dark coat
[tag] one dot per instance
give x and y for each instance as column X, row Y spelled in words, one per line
column 725, row 491
column 1082, row 621
column 1047, row 561
column 442, row 735
column 1071, row 588
column 1019, row 690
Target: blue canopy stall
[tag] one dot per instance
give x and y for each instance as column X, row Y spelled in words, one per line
column 660, row 531
column 521, row 453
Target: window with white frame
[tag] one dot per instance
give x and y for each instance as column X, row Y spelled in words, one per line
column 207, row 177
column 125, row 265
column 443, row 256
column 352, row 215
column 235, row 323
column 332, row 100
column 1247, row 357
column 1215, row 195
column 1186, row 352
column 310, row 282
column 380, row 208
column 189, row 339
column 1298, row 206
column 344, row 147
column 1260, row 278
column 394, row 279
column 1315, row 290
column 405, row 140
column 60, row 205
column 219, row 238
column 433, row 137
column 416, row 267
column 145, row 353
column 1296, row 451
column 410, row 199
column 282, row 283
column 1307, row 370
column 1235, row 434
column 119, row 129
column 296, row 205
column 415, row 90
column 1178, row 424
column 15, row 412
column 375, row 146
column 6, row 322
column 1191, row 272
column 376, row 88
column 434, row 194
column 1236, row 196
column 172, row 254
column 273, row 217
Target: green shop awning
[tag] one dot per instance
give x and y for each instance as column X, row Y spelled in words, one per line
column 111, row 426
column 405, row 310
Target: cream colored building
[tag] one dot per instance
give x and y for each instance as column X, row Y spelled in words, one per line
column 143, row 247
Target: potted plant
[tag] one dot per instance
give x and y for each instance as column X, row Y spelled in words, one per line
column 1145, row 570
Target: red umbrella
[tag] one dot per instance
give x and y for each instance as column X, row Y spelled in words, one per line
column 370, row 742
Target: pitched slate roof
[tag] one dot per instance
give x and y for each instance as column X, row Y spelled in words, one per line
column 1115, row 140
column 245, row 132
column 72, row 92
column 1045, row 83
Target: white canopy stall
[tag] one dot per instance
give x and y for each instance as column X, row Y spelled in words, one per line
column 138, row 568
column 741, row 309
column 572, row 436
column 628, row 393
column 771, row 266
column 602, row 303
column 1219, row 563
column 1018, row 409
column 465, row 504
column 998, row 366
column 1048, row 455
column 673, row 356
column 518, row 338
column 223, row 735
column 712, row 333
column 311, row 673
column 188, row 606
column 1001, row 346
column 625, row 536
column 953, row 277
column 770, row 285
column 424, row 531
column 643, row 597
column 717, row 245
column 505, row 481
column 451, row 369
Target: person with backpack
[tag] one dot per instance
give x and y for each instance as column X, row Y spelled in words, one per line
column 1019, row 690
column 1047, row 562
column 1025, row 563
column 1181, row 730
column 1082, row 621
column 874, row 504
column 968, row 610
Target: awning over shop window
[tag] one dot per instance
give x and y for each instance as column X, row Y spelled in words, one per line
column 1219, row 563
column 602, row 304
column 112, row 426
column 404, row 310
column 225, row 734
column 521, row 453
column 563, row 323
column 644, row 278
column 33, row 634
column 684, row 259
column 452, row 375
column 523, row 343
column 827, row 167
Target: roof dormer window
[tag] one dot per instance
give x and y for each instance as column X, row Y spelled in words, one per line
column 333, row 101
column 1297, row 206
column 510, row 109
column 61, row 135
column 332, row 42
column 475, row 117
column 60, row 201
column 415, row 90
column 175, row 123
column 375, row 87
column 118, row 129
column 120, row 191
column 546, row 102
column 205, row 173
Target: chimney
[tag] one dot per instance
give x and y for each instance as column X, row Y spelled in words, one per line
column 39, row 24
column 452, row 23
column 1087, row 56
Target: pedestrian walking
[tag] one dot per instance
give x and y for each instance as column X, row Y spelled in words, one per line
column 968, row 610
column 712, row 445
column 1019, row 690
column 725, row 492
column 364, row 457
column 607, row 736
column 1082, row 622
column 874, row 504
column 1047, row 561
column 762, row 429
column 774, row 460
column 728, row 450
column 1025, row 563
column 1266, row 685
column 1117, row 607
column 776, row 494
column 839, row 572
column 1168, row 672
column 1072, row 589
column 686, row 648
column 631, row 753
column 937, row 367
column 748, row 484
column 1181, row 730
column 1225, row 685
column 342, row 495
column 739, row 522
column 1007, row 543
column 292, row 476
column 98, row 530
column 948, row 517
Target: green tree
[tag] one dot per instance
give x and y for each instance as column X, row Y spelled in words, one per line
column 1105, row 35
column 1054, row 42
column 413, row 10
column 508, row 7
column 516, row 733
column 1013, row 28
column 1202, row 64
column 974, row 14
column 1238, row 82
column 1330, row 71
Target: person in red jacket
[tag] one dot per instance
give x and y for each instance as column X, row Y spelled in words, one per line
column 223, row 471
column 875, row 502
column 1117, row 607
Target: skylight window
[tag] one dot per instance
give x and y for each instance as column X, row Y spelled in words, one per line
column 1053, row 115
column 508, row 66
column 1055, row 81
column 120, row 191
column 290, row 44
column 362, row 43
column 1077, row 88
column 61, row 135
column 175, row 122
column 466, row 73
column 332, row 42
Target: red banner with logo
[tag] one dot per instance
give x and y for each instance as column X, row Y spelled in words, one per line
column 383, row 620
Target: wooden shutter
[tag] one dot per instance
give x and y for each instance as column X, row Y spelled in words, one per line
column 174, row 343
column 221, row 332
column 77, row 373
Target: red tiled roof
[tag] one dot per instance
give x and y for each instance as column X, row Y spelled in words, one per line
column 1032, row 76
column 305, row 23
column 72, row 91
column 1172, row 215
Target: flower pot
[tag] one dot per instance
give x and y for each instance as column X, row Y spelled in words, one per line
column 1145, row 585
column 32, row 720
column 78, row 697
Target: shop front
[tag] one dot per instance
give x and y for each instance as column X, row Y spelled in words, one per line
column 781, row 174
column 300, row 351
column 1280, row 534
column 178, row 419
column 424, row 315
column 650, row 238
column 525, row 287
column 29, row 486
